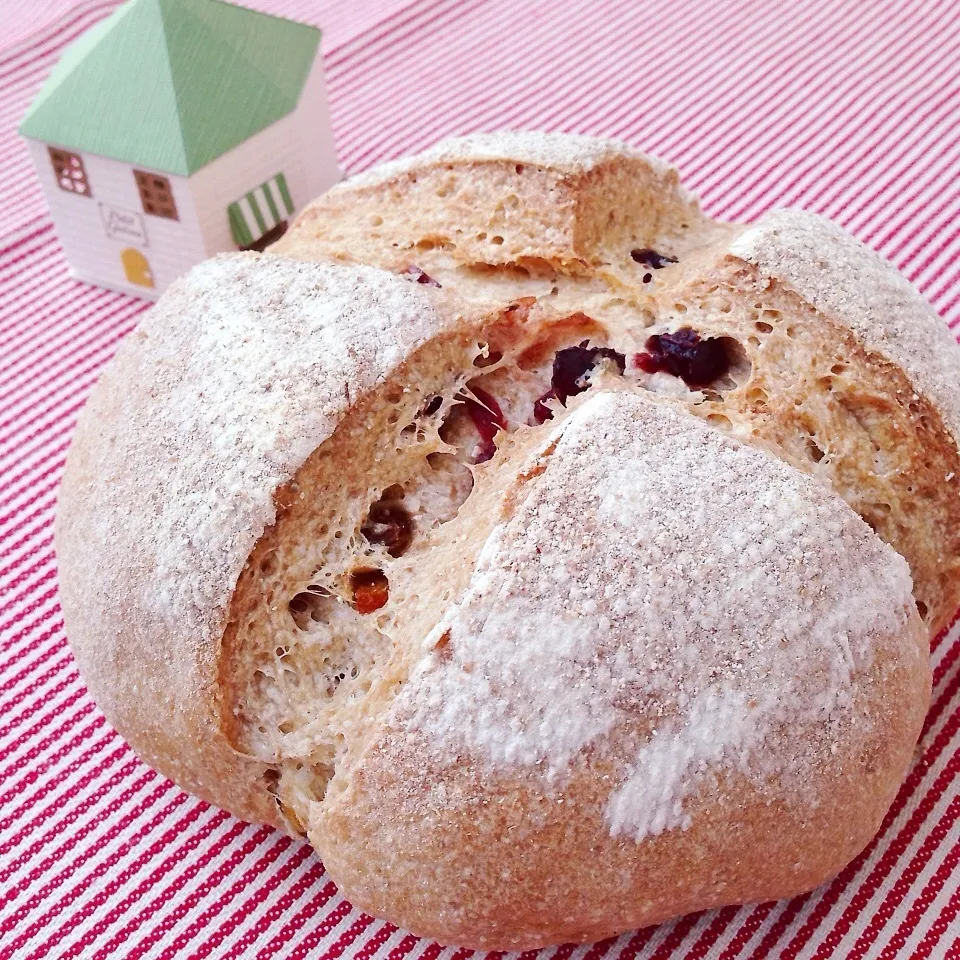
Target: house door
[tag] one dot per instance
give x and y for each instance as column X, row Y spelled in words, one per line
column 136, row 268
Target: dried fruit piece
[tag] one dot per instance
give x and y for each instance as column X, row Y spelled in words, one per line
column 370, row 589
column 389, row 524
column 683, row 354
column 650, row 258
column 489, row 420
column 415, row 273
column 570, row 367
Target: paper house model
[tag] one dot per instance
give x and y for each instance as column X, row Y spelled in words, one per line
column 176, row 129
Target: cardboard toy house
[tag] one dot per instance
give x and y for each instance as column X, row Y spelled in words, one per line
column 176, row 129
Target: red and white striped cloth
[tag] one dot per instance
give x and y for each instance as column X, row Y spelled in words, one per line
column 850, row 108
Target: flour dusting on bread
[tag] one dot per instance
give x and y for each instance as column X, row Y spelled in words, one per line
column 230, row 382
column 566, row 152
column 256, row 400
column 721, row 729
column 711, row 596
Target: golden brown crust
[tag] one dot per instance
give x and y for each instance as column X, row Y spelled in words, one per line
column 514, row 198
column 848, row 414
column 508, row 871
column 160, row 694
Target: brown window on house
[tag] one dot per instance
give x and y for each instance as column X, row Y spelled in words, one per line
column 70, row 173
column 156, row 195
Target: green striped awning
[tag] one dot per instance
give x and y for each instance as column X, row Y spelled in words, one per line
column 259, row 211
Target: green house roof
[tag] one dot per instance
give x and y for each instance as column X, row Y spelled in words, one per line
column 173, row 84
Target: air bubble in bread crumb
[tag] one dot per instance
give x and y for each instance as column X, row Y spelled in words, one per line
column 814, row 450
column 487, row 357
column 271, row 777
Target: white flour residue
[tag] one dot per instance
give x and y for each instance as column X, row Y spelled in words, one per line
column 252, row 363
column 561, row 151
column 519, row 691
column 670, row 604
column 721, row 730
column 848, row 281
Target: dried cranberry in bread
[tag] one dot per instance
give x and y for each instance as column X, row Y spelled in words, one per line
column 444, row 585
column 850, row 374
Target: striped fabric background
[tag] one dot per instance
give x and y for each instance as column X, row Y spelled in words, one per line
column 850, row 108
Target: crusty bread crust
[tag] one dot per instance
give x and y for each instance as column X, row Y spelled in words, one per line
column 855, row 287
column 829, row 404
column 635, row 627
column 512, row 199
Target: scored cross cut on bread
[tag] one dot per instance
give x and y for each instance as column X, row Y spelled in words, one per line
column 534, row 551
column 852, row 374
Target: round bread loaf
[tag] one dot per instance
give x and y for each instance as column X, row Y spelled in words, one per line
column 465, row 577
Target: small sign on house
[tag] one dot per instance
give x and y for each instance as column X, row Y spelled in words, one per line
column 121, row 224
column 177, row 129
